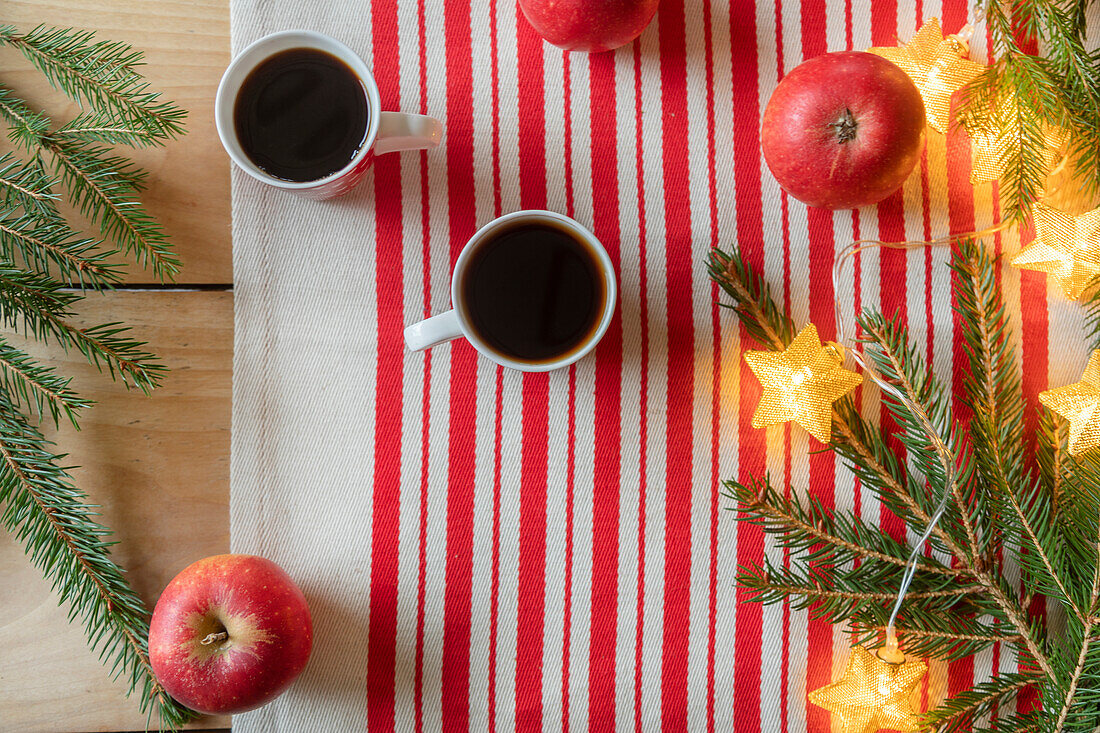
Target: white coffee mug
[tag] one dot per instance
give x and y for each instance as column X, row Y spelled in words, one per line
column 458, row 321
column 387, row 132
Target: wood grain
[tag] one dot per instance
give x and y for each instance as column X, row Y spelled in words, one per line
column 159, row 466
column 186, row 47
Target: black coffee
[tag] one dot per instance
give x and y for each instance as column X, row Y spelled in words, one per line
column 301, row 115
column 534, row 292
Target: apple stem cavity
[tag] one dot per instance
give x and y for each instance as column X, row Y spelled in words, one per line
column 845, row 128
column 214, row 638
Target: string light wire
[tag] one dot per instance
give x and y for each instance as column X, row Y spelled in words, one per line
column 891, row 653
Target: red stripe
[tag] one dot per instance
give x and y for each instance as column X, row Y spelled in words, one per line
column 822, row 464
column 603, row 617
column 716, row 371
column 751, row 448
column 571, row 445
column 960, row 210
column 494, row 597
column 455, row 672
column 643, row 428
column 494, row 593
column 567, row 614
column 532, row 553
column 382, row 631
column 532, row 520
column 892, row 263
column 680, row 267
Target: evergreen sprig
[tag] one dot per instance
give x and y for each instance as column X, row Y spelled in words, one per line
column 1020, row 99
column 1019, row 524
column 47, row 267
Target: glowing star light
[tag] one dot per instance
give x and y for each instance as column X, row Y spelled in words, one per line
column 1065, row 247
column 872, row 694
column 801, row 383
column 1079, row 404
column 937, row 65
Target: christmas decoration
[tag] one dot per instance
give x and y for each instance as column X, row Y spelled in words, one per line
column 1000, row 533
column 938, row 66
column 1024, row 118
column 872, row 694
column 801, row 383
column 1078, row 404
column 1006, row 128
column 1065, row 247
column 46, row 265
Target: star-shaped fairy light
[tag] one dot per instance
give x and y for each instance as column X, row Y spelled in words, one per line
column 801, row 383
column 872, row 694
column 938, row 66
column 1065, row 247
column 991, row 144
column 1080, row 404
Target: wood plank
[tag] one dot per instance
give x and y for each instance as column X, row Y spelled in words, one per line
column 159, row 466
column 186, row 45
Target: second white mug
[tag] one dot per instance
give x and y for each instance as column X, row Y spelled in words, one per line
column 533, row 291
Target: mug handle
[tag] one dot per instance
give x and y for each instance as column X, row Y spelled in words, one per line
column 433, row 331
column 401, row 131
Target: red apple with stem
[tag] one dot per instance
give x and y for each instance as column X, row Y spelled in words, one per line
column 843, row 130
column 591, row 26
column 229, row 633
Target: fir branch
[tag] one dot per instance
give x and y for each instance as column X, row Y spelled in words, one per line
column 43, row 509
column 107, row 128
column 927, row 433
column 823, row 537
column 42, row 243
column 1020, row 98
column 26, row 185
column 837, row 597
column 38, row 249
column 42, row 308
column 103, row 186
column 958, row 712
column 1086, row 642
column 902, row 366
column 24, row 382
column 994, row 396
column 98, row 73
column 752, row 301
column 862, row 444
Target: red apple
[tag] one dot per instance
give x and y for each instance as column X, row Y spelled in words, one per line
column 589, row 25
column 843, row 130
column 229, row 633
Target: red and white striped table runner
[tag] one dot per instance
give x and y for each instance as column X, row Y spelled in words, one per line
column 489, row 550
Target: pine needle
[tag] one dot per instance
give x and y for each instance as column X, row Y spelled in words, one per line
column 42, row 259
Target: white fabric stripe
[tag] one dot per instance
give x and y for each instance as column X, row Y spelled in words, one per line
column 585, row 412
column 558, row 428
column 702, row 505
column 270, row 288
column 653, row 165
column 481, row 598
column 729, row 386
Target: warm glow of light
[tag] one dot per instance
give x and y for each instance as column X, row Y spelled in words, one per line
column 938, row 66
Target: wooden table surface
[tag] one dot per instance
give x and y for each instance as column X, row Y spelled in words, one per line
column 159, row 466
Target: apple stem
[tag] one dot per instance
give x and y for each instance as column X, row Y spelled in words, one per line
column 214, row 638
column 845, row 127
